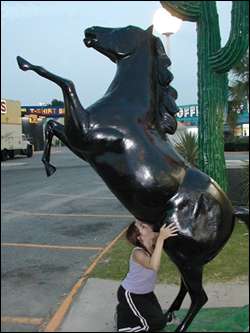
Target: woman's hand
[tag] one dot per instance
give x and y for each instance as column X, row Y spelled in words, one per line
column 168, row 231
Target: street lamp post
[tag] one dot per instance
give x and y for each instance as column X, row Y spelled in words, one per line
column 167, row 25
column 167, row 43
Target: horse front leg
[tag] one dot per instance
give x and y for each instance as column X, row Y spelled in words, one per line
column 54, row 128
column 49, row 133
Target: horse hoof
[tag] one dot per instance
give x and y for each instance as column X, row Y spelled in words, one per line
column 50, row 169
column 169, row 316
column 23, row 64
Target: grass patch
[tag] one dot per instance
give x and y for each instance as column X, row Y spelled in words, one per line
column 230, row 264
column 231, row 319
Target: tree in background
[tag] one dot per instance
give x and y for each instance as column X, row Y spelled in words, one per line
column 57, row 103
column 213, row 64
column 245, row 181
column 187, row 146
column 239, row 85
column 232, row 119
column 238, row 91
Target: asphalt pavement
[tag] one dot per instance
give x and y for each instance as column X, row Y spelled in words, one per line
column 52, row 230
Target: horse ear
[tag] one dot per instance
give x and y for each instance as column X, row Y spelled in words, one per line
column 150, row 30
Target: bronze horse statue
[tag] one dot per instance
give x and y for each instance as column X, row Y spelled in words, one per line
column 123, row 136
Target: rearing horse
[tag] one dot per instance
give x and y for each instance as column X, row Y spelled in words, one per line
column 123, row 136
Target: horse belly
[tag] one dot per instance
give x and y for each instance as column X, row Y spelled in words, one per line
column 204, row 223
column 142, row 190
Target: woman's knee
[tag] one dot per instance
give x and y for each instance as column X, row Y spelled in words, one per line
column 157, row 325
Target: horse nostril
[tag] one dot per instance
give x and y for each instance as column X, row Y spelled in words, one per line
column 89, row 33
column 90, row 37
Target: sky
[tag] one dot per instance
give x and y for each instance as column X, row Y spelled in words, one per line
column 50, row 34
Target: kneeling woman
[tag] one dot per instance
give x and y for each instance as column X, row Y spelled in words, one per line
column 138, row 309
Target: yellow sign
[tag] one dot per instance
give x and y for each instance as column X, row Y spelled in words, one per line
column 10, row 112
column 3, row 106
column 33, row 119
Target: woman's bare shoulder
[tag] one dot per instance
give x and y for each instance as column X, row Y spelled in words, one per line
column 139, row 253
column 141, row 257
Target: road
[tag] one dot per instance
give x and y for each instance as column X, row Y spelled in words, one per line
column 236, row 159
column 52, row 229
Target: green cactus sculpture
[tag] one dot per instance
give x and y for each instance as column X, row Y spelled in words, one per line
column 213, row 64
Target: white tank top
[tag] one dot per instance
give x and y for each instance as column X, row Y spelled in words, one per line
column 139, row 280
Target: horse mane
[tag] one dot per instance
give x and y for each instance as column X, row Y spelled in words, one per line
column 166, row 95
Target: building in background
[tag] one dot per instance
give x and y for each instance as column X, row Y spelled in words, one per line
column 188, row 116
column 35, row 117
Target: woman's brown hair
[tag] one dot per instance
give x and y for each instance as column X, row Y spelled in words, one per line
column 132, row 235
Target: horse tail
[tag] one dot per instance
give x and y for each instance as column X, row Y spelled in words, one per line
column 242, row 213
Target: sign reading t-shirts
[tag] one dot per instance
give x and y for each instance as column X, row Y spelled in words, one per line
column 44, row 111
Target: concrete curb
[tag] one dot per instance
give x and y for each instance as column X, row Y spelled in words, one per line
column 61, row 312
column 93, row 309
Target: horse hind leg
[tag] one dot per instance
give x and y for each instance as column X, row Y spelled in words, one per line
column 175, row 306
column 192, row 277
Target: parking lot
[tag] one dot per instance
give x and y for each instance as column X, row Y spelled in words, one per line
column 52, row 229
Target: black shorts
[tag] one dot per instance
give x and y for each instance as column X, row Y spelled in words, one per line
column 138, row 313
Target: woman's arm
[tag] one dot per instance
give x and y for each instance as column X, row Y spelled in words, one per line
column 154, row 261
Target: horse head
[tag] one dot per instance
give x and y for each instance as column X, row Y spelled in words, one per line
column 125, row 43
column 116, row 43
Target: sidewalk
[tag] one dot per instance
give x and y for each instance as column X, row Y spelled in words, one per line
column 93, row 308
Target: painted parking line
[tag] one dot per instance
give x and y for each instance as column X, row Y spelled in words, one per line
column 235, row 164
column 19, row 212
column 78, row 196
column 4, row 164
column 59, row 315
column 56, row 247
column 21, row 320
column 40, row 152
